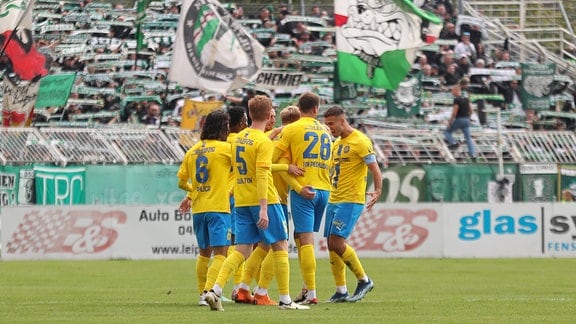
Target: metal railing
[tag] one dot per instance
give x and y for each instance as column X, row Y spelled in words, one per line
column 63, row 146
column 400, row 146
column 537, row 30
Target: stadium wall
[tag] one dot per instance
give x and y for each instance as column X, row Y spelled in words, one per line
column 156, row 184
column 430, row 230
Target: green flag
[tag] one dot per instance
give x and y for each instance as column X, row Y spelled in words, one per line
column 405, row 101
column 537, row 82
column 377, row 41
column 55, row 90
column 140, row 16
column 343, row 90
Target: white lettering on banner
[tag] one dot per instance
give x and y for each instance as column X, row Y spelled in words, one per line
column 112, row 197
column 62, row 185
column 568, row 172
column 7, row 184
column 549, row 168
column 403, row 186
column 7, row 198
column 7, row 180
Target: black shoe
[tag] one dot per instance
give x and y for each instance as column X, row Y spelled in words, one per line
column 453, row 147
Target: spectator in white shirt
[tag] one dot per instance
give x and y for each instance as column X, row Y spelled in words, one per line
column 465, row 47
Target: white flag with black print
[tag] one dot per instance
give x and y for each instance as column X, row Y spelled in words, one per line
column 212, row 51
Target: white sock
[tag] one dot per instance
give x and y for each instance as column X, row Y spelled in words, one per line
column 261, row 291
column 341, row 289
column 285, row 299
column 244, row 286
column 311, row 294
column 217, row 290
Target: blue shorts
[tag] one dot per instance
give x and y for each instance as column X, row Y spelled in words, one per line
column 212, row 229
column 232, row 216
column 341, row 218
column 286, row 216
column 307, row 214
column 248, row 231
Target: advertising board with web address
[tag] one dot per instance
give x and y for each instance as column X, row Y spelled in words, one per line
column 432, row 230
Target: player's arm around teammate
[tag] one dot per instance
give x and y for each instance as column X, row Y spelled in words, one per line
column 308, row 144
column 259, row 215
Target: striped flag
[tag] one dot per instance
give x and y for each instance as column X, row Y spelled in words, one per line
column 377, row 40
column 212, row 51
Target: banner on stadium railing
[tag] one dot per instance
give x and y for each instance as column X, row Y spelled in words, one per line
column 536, row 86
column 92, row 184
column 470, row 230
column 446, row 183
column 460, row 183
column 60, row 186
column 276, row 79
column 403, row 184
column 133, row 185
column 538, row 182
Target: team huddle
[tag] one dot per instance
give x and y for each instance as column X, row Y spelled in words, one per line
column 239, row 181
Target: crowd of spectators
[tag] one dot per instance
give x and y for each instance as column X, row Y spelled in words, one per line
column 462, row 50
column 98, row 41
column 116, row 83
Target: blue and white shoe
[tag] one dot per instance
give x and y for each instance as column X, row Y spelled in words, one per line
column 339, row 298
column 362, row 289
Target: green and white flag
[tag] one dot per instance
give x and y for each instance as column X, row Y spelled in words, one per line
column 377, row 41
column 405, row 101
column 55, row 90
column 537, row 80
column 212, row 51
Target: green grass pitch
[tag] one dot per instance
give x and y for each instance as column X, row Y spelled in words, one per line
column 407, row 291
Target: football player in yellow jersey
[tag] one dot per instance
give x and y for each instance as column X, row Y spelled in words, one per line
column 259, row 216
column 353, row 156
column 238, row 122
column 260, row 263
column 264, row 278
column 288, row 115
column 204, row 175
column 309, row 145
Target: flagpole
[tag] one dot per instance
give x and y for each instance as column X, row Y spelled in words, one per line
column 140, row 15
